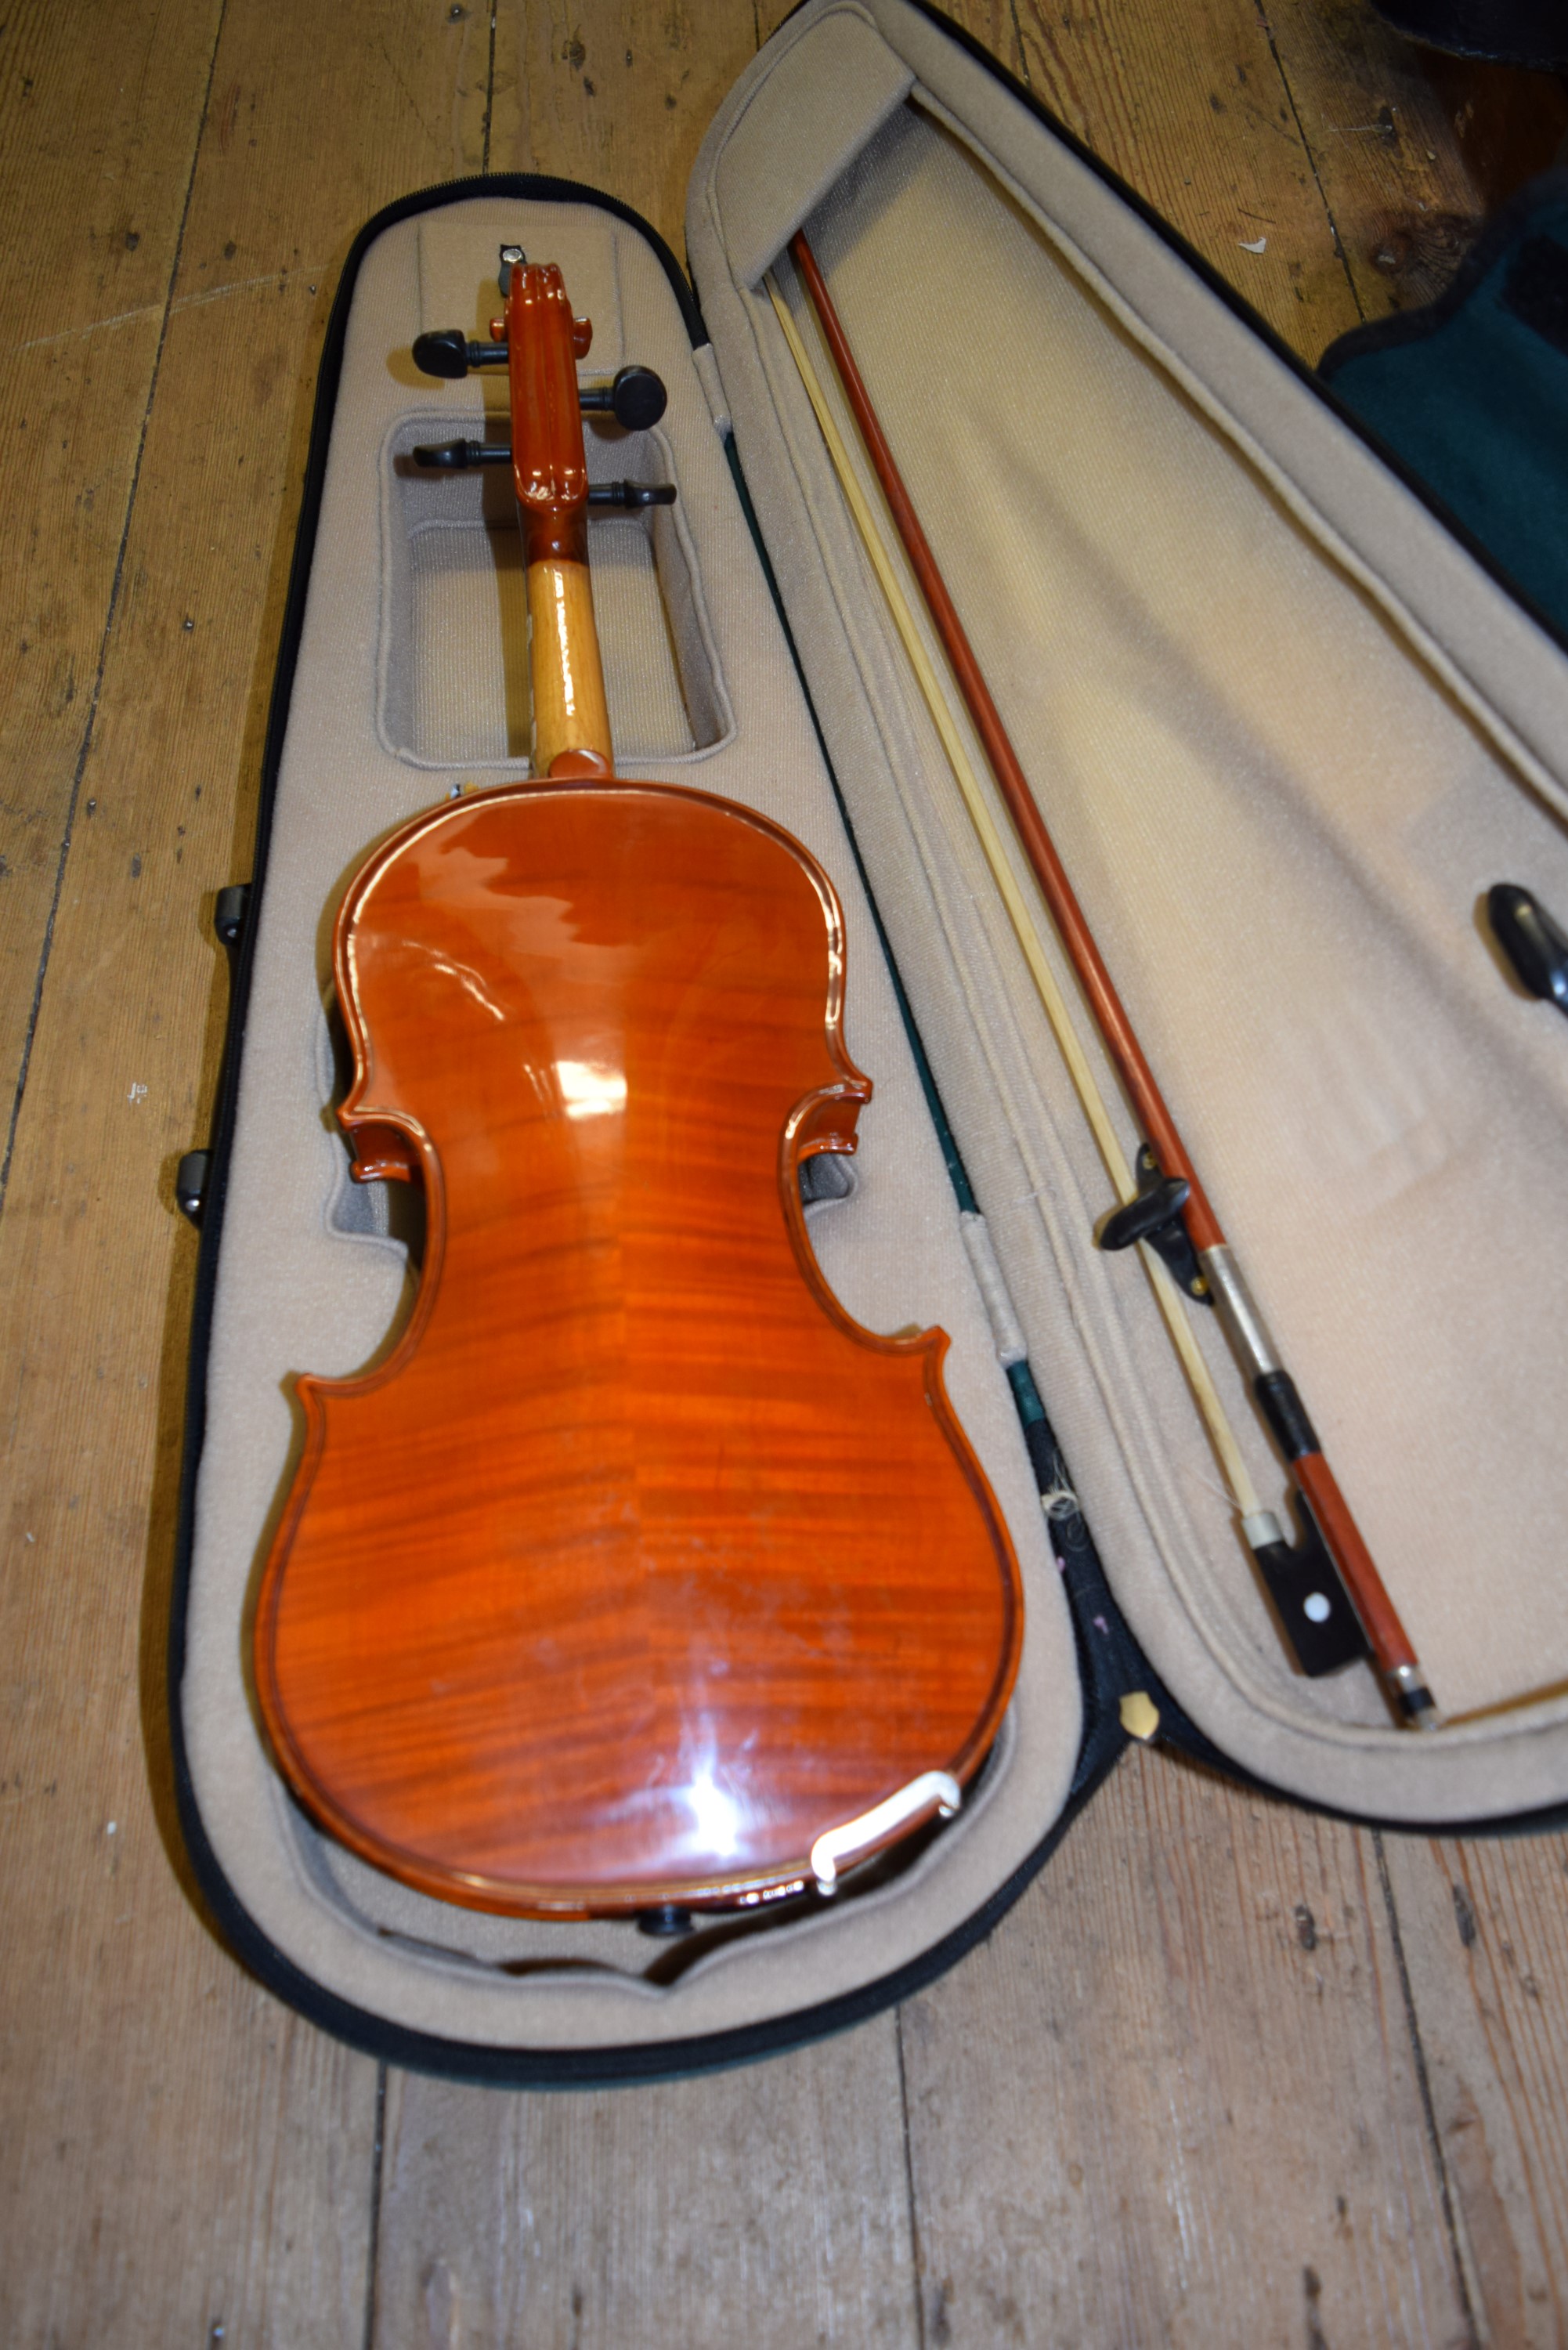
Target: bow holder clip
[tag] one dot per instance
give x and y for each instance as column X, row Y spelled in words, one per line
column 1155, row 1216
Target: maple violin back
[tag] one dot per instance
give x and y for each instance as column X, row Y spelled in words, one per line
column 638, row 1566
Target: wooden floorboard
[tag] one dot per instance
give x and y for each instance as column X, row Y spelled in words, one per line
column 1406, row 167
column 1176, row 2099
column 180, row 2153
column 771, row 2204
column 618, row 95
column 1484, row 1929
column 97, row 145
column 1190, row 106
column 1229, row 2074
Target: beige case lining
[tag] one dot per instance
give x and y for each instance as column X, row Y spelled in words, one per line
column 1287, row 733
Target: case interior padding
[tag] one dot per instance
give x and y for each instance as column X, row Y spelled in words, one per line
column 1288, row 731
column 308, row 1277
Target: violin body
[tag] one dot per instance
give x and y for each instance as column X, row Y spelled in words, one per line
column 637, row 1566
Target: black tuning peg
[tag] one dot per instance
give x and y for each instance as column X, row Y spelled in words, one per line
column 448, row 352
column 456, row 456
column 632, row 495
column 636, row 398
column 1535, row 946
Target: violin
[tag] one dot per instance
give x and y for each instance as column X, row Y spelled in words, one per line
column 638, row 1577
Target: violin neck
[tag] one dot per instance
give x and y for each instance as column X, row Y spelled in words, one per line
column 571, row 723
column 550, row 474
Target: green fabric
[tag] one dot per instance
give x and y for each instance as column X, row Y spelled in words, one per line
column 1472, row 393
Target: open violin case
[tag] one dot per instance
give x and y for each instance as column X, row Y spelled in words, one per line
column 1288, row 727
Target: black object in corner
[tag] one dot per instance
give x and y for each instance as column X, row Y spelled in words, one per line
column 1510, row 32
column 1470, row 392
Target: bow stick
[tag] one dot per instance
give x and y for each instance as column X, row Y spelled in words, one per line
column 1168, row 1211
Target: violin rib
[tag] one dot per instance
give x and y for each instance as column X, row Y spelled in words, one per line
column 639, row 1567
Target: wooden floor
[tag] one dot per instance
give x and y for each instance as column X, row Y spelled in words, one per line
column 1229, row 2074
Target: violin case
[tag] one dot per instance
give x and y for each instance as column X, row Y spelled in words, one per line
column 1288, row 726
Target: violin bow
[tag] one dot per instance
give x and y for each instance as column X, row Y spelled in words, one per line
column 1164, row 1207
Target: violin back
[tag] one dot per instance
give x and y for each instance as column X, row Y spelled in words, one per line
column 637, row 1566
